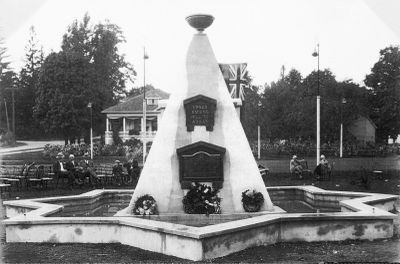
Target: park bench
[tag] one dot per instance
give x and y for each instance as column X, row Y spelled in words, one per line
column 306, row 171
column 327, row 173
column 106, row 176
column 10, row 175
column 39, row 177
column 263, row 172
column 14, row 176
column 4, row 188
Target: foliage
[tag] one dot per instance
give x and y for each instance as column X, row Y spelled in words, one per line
column 6, row 78
column 134, row 131
column 145, row 205
column 133, row 149
column 307, row 148
column 7, row 139
column 288, row 106
column 384, row 98
column 252, row 200
column 27, row 85
column 61, row 100
column 202, row 199
column 89, row 68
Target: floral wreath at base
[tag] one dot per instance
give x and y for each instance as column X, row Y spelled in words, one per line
column 145, row 205
column 252, row 200
column 202, row 199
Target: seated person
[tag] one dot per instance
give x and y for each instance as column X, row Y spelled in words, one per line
column 295, row 166
column 86, row 170
column 71, row 167
column 135, row 171
column 117, row 171
column 322, row 168
column 61, row 171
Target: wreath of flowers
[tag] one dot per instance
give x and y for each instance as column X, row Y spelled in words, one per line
column 252, row 200
column 145, row 205
column 202, row 199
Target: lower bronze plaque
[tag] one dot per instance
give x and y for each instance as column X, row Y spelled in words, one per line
column 201, row 162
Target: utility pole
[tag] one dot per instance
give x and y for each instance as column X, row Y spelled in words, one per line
column 8, row 123
column 144, row 130
column 316, row 54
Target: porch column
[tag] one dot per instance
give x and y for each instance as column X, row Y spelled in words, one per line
column 108, row 134
column 123, row 124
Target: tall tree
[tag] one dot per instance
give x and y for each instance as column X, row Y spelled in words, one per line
column 61, row 101
column 28, row 83
column 289, row 106
column 88, row 69
column 384, row 80
column 4, row 68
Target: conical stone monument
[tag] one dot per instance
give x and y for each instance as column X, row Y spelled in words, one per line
column 200, row 138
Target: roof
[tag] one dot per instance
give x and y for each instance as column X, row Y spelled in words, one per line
column 369, row 119
column 135, row 103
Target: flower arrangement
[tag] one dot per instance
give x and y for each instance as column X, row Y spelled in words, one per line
column 252, row 200
column 202, row 199
column 145, row 205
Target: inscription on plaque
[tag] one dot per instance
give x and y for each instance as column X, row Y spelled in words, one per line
column 201, row 162
column 200, row 111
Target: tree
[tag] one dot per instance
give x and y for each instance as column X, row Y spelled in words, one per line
column 111, row 69
column 88, row 69
column 61, row 101
column 252, row 111
column 27, row 84
column 289, row 108
column 4, row 68
column 384, row 81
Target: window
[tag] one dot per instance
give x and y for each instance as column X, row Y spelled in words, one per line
column 152, row 101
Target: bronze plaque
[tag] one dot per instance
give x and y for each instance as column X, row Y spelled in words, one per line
column 201, row 162
column 200, row 111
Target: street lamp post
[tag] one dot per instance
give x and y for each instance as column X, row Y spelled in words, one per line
column 91, row 130
column 258, row 131
column 144, row 130
column 316, row 54
column 342, row 101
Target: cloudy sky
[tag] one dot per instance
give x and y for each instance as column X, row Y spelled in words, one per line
column 265, row 34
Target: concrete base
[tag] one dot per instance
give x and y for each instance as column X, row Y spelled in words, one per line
column 365, row 218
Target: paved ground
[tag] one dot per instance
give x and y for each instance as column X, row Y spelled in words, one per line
column 27, row 146
column 383, row 251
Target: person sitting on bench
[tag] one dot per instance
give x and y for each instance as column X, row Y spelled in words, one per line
column 296, row 167
column 323, row 168
column 86, row 168
column 61, row 171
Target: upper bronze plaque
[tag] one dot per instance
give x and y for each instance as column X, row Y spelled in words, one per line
column 200, row 111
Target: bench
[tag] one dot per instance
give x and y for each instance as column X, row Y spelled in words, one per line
column 305, row 171
column 4, row 188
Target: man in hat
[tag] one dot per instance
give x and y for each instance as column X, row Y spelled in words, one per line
column 87, row 170
column 323, row 168
column 60, row 170
column 71, row 168
column 295, row 166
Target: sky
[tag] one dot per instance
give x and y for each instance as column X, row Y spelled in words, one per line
column 264, row 33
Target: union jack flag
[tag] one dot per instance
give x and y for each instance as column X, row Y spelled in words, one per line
column 236, row 78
